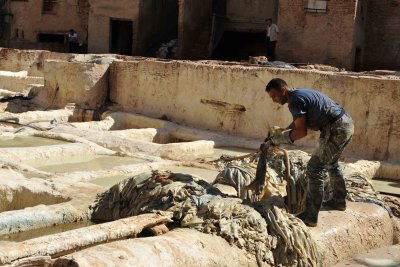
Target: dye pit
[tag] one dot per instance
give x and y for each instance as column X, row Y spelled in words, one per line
column 387, row 187
column 27, row 141
column 26, row 235
column 88, row 163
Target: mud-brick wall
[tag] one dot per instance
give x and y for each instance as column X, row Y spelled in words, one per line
column 249, row 16
column 308, row 37
column 233, row 99
column 382, row 50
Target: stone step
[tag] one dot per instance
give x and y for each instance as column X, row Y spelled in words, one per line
column 18, row 81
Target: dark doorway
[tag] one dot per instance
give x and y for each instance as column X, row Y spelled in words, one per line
column 51, row 38
column 357, row 59
column 121, row 37
column 219, row 7
column 238, row 46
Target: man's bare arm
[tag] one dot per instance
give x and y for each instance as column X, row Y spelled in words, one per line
column 299, row 128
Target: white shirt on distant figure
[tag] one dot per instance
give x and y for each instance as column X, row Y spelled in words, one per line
column 273, row 31
column 73, row 37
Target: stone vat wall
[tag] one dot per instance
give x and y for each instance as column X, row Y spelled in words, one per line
column 211, row 95
column 31, row 61
column 231, row 98
column 82, row 83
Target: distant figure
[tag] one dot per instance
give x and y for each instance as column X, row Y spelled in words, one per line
column 272, row 38
column 73, row 42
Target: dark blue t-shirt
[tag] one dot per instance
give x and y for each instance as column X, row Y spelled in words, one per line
column 318, row 109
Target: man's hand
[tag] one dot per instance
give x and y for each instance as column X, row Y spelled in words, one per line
column 279, row 136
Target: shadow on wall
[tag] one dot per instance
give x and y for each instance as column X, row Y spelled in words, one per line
column 238, row 46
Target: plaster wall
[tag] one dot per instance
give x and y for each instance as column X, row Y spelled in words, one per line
column 325, row 38
column 85, row 84
column 382, row 49
column 99, row 34
column 28, row 17
column 232, row 99
column 249, row 16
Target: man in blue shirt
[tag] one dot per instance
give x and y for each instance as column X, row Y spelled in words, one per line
column 313, row 110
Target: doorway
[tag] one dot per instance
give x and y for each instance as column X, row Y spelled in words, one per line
column 121, row 37
column 238, row 46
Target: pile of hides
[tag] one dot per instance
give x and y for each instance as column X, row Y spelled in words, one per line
column 240, row 173
column 274, row 236
column 168, row 50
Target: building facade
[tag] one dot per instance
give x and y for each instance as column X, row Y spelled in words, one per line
column 131, row 27
column 351, row 34
column 43, row 24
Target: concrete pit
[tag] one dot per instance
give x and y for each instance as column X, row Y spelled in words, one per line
column 84, row 124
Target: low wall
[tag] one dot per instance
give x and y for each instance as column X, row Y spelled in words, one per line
column 232, row 98
column 28, row 60
column 85, row 84
column 17, row 81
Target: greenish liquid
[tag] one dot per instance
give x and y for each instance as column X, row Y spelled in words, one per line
column 87, row 163
column 28, row 141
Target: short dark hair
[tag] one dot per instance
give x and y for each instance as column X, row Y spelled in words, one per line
column 276, row 84
column 269, row 19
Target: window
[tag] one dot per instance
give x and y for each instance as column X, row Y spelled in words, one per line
column 316, row 6
column 49, row 6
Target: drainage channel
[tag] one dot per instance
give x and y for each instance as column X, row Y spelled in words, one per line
column 26, row 235
column 387, row 187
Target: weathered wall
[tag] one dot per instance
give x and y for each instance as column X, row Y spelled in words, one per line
column 101, row 11
column 194, row 16
column 99, row 34
column 18, row 82
column 249, row 16
column 28, row 17
column 382, row 48
column 158, row 23
column 359, row 35
column 232, row 99
column 85, row 84
column 325, row 38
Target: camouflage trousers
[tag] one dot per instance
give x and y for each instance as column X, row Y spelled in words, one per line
column 333, row 139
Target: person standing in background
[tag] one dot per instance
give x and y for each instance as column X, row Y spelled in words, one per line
column 272, row 39
column 73, row 42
